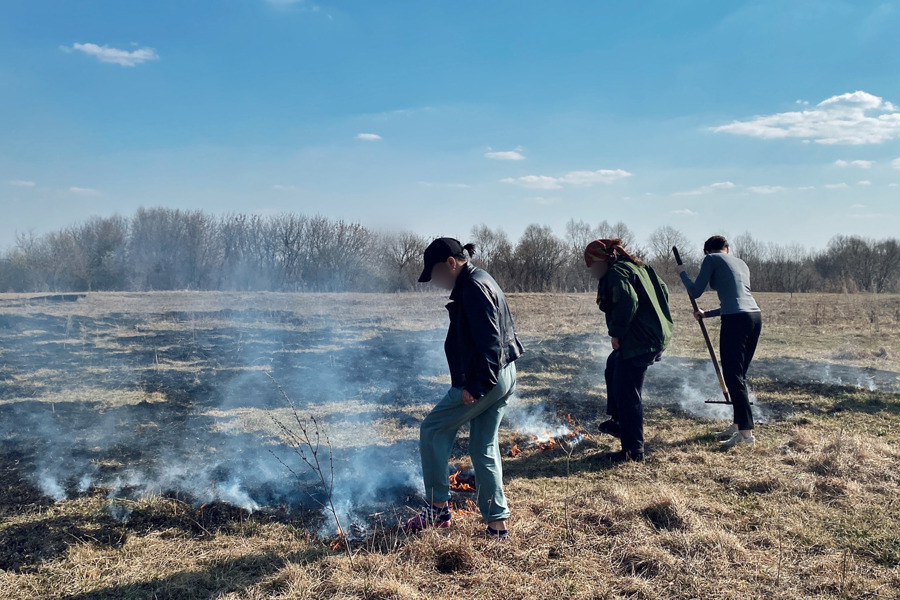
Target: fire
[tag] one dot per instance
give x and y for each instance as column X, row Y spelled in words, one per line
column 549, row 444
column 572, row 434
column 459, row 486
column 338, row 542
column 469, row 508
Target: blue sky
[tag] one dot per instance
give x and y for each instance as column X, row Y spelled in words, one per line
column 778, row 118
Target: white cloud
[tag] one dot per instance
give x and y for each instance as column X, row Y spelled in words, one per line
column 505, row 155
column 117, row 56
column 684, row 211
column 766, row 189
column 369, row 137
column 574, row 178
column 864, row 182
column 836, row 186
column 894, row 185
column 535, row 182
column 281, row 187
column 857, row 206
column 22, row 183
column 82, row 191
column 804, row 188
column 592, row 177
column 706, row 189
column 862, row 164
column 896, row 163
column 854, row 118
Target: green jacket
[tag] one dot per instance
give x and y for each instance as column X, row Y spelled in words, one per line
column 636, row 303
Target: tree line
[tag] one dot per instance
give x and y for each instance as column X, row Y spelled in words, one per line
column 173, row 249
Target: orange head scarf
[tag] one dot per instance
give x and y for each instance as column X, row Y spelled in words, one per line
column 605, row 251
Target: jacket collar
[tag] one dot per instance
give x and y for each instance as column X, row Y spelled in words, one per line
column 465, row 274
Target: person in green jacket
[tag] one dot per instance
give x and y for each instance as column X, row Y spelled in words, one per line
column 636, row 304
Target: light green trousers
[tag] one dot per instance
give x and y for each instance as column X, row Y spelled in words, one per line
column 438, row 432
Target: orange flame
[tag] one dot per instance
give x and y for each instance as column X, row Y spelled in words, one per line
column 469, row 508
column 459, row 486
column 338, row 542
column 514, row 451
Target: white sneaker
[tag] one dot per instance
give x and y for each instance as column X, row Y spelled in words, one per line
column 727, row 432
column 738, row 438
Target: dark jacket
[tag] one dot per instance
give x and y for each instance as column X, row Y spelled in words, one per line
column 482, row 336
column 636, row 303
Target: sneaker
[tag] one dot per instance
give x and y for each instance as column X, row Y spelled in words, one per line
column 625, row 456
column 610, row 427
column 727, row 432
column 429, row 517
column 737, row 439
column 493, row 534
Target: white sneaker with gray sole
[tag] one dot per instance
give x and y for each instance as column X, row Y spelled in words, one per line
column 738, row 439
column 727, row 432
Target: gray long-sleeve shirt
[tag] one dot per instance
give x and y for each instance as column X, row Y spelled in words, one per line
column 730, row 278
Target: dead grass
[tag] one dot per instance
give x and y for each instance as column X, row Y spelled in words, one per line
column 812, row 511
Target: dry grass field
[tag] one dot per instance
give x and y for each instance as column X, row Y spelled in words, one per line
column 141, row 455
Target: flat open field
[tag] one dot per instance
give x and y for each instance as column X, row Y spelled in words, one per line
column 146, row 454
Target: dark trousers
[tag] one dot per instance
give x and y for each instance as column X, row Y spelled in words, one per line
column 737, row 345
column 624, row 385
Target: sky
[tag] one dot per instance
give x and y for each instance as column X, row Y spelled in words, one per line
column 777, row 118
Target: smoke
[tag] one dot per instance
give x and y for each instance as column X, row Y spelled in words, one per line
column 184, row 406
column 688, row 384
column 538, row 422
column 150, row 402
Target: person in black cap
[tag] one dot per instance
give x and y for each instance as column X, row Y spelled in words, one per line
column 481, row 348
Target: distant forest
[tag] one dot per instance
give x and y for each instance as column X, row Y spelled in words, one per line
column 171, row 249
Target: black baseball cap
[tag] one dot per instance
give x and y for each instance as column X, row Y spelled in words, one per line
column 439, row 251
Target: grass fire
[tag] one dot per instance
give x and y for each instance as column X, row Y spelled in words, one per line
column 142, row 455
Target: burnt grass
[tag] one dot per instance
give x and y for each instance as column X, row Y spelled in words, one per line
column 99, row 394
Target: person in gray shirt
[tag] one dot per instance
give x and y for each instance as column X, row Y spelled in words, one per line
column 729, row 276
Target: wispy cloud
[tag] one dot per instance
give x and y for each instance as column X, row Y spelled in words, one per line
column 684, row 212
column 117, row 56
column 862, row 164
column 369, row 137
column 535, row 182
column 505, row 155
column 283, row 188
column 854, row 118
column 22, row 183
column 864, row 182
column 514, row 154
column 572, row 178
column 766, row 189
column 836, row 186
column 706, row 189
column 83, row 191
column 896, row 163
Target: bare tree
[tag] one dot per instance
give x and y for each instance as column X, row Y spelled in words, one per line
column 659, row 253
column 540, row 257
column 403, row 256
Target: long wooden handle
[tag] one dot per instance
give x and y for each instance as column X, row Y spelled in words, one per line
column 709, row 346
